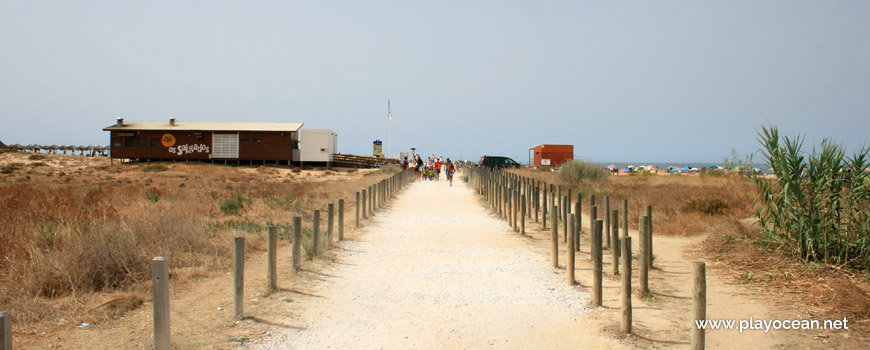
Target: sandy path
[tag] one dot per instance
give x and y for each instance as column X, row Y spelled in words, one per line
column 435, row 270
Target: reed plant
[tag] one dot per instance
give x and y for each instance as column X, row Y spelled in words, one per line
column 817, row 204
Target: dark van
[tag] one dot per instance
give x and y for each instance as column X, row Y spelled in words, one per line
column 498, row 162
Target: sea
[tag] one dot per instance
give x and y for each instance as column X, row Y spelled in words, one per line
column 664, row 165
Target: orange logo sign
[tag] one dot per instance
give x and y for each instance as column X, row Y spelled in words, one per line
column 168, row 140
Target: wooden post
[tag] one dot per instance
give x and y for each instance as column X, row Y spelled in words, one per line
column 578, row 222
column 330, row 213
column 239, row 278
column 593, row 216
column 160, row 295
column 591, row 200
column 625, row 217
column 565, row 211
column 341, row 219
column 554, row 224
column 523, row 219
column 364, row 215
column 297, row 241
column 642, row 258
column 597, row 260
column 699, row 303
column 315, row 233
column 356, row 221
column 607, row 221
column 614, row 238
column 272, row 262
column 537, row 201
column 626, row 284
column 372, row 200
column 544, row 209
column 6, row 331
column 649, row 235
column 571, row 280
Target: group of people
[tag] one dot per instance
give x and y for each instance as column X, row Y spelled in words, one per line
column 431, row 169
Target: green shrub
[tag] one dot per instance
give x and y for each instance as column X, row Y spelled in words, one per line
column 154, row 168
column 577, row 171
column 233, row 205
column 709, row 206
column 37, row 164
column 36, row 157
column 713, row 173
column 817, row 205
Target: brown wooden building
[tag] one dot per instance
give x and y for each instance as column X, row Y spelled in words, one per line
column 214, row 141
column 550, row 155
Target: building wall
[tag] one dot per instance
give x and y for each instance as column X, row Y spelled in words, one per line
column 557, row 154
column 174, row 144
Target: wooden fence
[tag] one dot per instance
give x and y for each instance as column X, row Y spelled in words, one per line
column 503, row 190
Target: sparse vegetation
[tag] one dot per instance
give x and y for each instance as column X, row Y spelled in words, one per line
column 709, row 206
column 66, row 245
column 154, row 168
column 578, row 171
column 233, row 205
column 36, row 157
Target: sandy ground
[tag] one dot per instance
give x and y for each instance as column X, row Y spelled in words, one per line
column 437, row 271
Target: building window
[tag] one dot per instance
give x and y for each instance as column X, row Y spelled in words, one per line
column 143, row 142
column 258, row 140
column 245, row 140
column 155, row 143
column 116, row 143
column 130, row 142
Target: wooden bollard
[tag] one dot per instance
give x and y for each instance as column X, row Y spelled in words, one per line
column 239, row 278
column 330, row 213
column 642, row 258
column 625, row 217
column 554, row 224
column 356, row 220
column 6, row 331
column 364, row 214
column 315, row 233
column 607, row 221
column 545, row 206
column 699, row 303
column 570, row 266
column 591, row 200
column 626, row 284
column 341, row 219
column 560, row 203
column 160, row 301
column 523, row 219
column 564, row 210
column 297, row 242
column 578, row 222
column 614, row 238
column 596, row 263
column 649, row 235
column 593, row 216
column 537, row 201
column 272, row 261
column 372, row 200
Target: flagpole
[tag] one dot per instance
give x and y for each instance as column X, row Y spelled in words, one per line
column 389, row 131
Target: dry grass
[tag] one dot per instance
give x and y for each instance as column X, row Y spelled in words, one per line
column 669, row 196
column 829, row 291
column 77, row 231
column 822, row 290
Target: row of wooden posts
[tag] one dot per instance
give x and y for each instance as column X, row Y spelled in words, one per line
column 516, row 198
column 368, row 201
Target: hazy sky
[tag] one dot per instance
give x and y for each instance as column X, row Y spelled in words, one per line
column 621, row 81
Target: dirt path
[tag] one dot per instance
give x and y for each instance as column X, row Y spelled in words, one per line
column 437, row 271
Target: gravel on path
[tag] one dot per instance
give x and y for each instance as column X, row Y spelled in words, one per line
column 435, row 270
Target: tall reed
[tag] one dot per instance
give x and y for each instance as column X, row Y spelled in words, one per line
column 818, row 204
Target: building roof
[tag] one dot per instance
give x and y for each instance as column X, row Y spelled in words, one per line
column 205, row 126
column 545, row 145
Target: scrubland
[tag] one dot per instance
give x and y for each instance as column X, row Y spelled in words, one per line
column 77, row 234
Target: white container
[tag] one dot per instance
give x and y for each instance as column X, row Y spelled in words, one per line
column 317, row 145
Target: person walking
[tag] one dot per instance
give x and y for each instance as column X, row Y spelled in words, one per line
column 451, row 168
column 418, row 168
column 438, row 169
